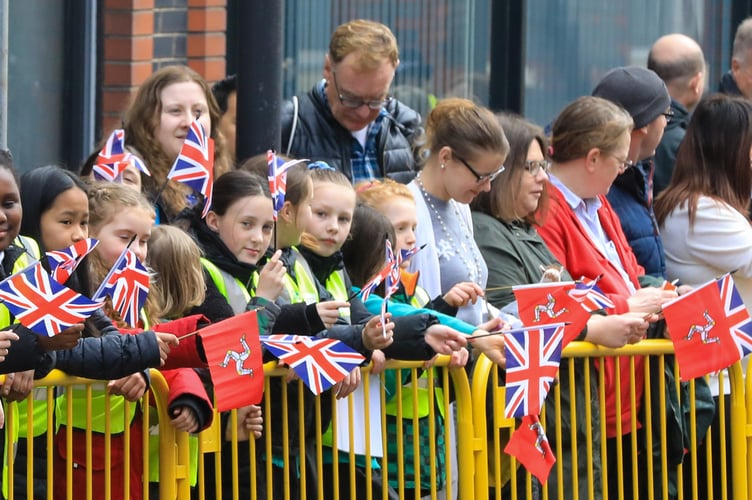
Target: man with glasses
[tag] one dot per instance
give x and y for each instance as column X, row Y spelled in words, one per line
column 645, row 97
column 349, row 119
column 679, row 62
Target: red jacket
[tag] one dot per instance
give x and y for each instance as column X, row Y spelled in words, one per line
column 570, row 243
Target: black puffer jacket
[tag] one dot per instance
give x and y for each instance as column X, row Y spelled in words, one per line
column 319, row 136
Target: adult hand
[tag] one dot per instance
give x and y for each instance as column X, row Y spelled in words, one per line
column 617, row 330
column 462, row 293
column 444, row 339
column 650, row 299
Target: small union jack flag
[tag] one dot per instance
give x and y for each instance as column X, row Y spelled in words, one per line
column 369, row 287
column 320, row 363
column 408, row 254
column 587, row 293
column 194, row 166
column 393, row 278
column 277, row 177
column 737, row 315
column 533, row 355
column 113, row 159
column 64, row 262
column 127, row 284
column 42, row 304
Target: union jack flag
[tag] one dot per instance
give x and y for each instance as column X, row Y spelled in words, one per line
column 393, row 278
column 277, row 178
column 194, row 166
column 737, row 315
column 64, row 262
column 320, row 363
column 369, row 287
column 408, row 254
column 533, row 356
column 128, row 285
column 42, row 304
column 587, row 293
column 113, row 159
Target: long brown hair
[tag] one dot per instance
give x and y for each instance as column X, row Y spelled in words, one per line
column 142, row 119
column 501, row 200
column 713, row 159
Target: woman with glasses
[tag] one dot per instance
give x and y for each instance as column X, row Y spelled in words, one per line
column 590, row 141
column 465, row 150
column 505, row 220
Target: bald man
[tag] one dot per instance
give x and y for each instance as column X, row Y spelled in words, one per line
column 679, row 62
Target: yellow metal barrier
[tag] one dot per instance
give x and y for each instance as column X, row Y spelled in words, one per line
column 60, row 454
column 634, row 466
column 392, row 452
column 360, row 462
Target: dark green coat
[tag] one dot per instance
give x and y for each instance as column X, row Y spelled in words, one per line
column 514, row 253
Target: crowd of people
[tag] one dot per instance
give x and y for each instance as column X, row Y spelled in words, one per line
column 489, row 199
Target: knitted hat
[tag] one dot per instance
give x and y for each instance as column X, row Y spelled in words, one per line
column 638, row 90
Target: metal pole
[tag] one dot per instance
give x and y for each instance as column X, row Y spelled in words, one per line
column 4, row 74
column 260, row 28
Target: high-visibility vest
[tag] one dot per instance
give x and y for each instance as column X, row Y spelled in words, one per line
column 39, row 394
column 230, row 287
column 303, row 288
column 13, row 412
column 117, row 418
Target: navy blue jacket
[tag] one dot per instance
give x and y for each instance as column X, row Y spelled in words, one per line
column 631, row 199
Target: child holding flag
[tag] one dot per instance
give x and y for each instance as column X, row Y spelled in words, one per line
column 57, row 214
column 332, row 213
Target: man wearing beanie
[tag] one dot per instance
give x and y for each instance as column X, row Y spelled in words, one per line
column 644, row 96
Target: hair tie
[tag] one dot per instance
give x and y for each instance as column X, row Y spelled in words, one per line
column 320, row 165
column 550, row 151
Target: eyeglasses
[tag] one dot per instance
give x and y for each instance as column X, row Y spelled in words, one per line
column 623, row 164
column 355, row 102
column 480, row 179
column 534, row 166
column 669, row 116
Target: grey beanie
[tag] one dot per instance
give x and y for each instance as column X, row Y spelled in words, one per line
column 638, row 90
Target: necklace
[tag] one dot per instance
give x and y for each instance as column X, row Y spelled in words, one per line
column 466, row 246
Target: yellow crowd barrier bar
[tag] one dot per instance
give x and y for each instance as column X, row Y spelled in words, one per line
column 642, row 464
column 59, row 460
column 422, row 417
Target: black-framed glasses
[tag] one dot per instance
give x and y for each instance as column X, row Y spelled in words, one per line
column 534, row 166
column 669, row 116
column 356, row 102
column 480, row 179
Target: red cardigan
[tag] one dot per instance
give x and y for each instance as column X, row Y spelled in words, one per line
column 570, row 243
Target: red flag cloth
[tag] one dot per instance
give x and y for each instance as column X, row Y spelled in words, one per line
column 704, row 325
column 233, row 353
column 530, row 446
column 548, row 303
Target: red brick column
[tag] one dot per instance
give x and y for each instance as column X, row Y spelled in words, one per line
column 128, row 52
column 207, row 22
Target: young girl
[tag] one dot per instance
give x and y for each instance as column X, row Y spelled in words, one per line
column 117, row 214
column 332, row 212
column 178, row 287
column 57, row 215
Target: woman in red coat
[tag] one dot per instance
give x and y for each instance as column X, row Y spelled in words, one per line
column 590, row 142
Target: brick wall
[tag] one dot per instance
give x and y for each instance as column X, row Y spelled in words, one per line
column 140, row 36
